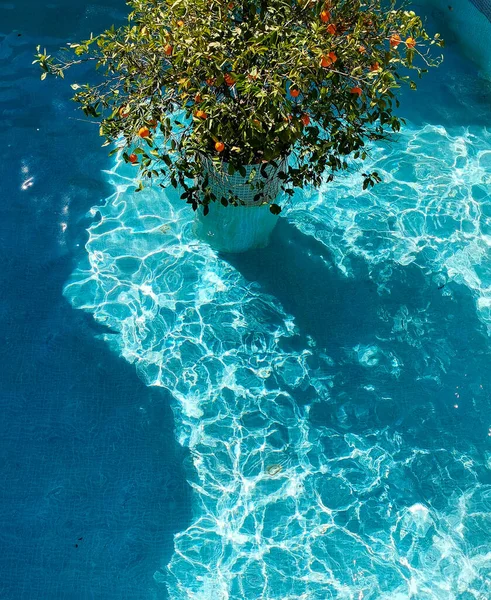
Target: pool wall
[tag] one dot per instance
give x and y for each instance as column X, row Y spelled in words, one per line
column 470, row 22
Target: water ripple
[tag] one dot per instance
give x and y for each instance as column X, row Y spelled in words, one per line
column 312, row 468
column 433, row 208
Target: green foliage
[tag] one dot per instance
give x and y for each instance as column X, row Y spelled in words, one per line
column 249, row 82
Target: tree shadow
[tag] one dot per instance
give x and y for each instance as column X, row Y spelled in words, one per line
column 92, row 486
column 93, row 482
column 402, row 358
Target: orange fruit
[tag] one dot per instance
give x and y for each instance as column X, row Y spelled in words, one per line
column 333, row 57
column 168, row 49
column 362, row 50
column 375, row 66
column 200, row 114
column 180, row 23
column 331, row 28
column 144, row 132
column 153, row 123
column 395, row 40
column 210, row 81
column 305, row 119
column 229, row 80
column 356, row 90
column 326, row 61
column 411, row 42
column 133, row 158
column 124, row 112
column 230, row 5
column 325, row 16
column 294, row 93
column 197, row 98
column 219, row 146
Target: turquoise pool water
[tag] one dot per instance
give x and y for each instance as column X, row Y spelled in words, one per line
column 332, row 391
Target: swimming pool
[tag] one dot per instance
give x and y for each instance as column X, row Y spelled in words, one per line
column 310, row 421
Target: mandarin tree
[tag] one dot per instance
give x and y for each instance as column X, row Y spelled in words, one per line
column 298, row 83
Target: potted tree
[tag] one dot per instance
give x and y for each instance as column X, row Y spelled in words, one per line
column 237, row 102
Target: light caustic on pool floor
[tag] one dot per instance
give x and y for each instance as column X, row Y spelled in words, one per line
column 326, row 463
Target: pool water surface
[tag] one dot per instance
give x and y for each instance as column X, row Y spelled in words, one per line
column 309, row 421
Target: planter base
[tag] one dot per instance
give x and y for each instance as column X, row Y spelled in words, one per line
column 235, row 228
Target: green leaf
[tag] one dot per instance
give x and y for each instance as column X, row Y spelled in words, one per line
column 267, row 48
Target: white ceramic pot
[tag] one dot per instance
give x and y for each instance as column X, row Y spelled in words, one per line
column 235, row 228
column 239, row 228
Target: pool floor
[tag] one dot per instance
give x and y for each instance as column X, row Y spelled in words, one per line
column 308, row 421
